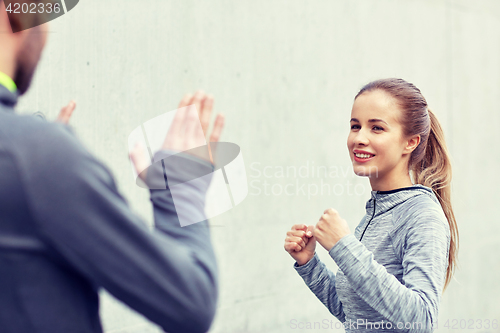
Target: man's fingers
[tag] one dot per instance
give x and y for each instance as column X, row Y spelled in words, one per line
column 194, row 137
column 198, row 99
column 175, row 134
column 183, row 133
column 185, row 101
column 66, row 112
column 139, row 159
column 206, row 112
column 217, row 130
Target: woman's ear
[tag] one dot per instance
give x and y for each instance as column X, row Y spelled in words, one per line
column 412, row 144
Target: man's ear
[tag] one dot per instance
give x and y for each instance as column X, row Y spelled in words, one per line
column 412, row 144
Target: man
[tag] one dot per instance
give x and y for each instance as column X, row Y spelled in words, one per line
column 65, row 231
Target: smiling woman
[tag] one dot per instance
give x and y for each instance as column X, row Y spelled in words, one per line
column 394, row 268
column 376, row 137
column 412, row 140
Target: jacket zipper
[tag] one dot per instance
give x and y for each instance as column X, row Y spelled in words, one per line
column 374, row 202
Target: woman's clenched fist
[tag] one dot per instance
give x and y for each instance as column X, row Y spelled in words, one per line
column 300, row 243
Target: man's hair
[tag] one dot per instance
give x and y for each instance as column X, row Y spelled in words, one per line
column 20, row 20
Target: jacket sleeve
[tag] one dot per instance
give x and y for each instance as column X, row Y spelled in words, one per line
column 321, row 281
column 425, row 260
column 169, row 274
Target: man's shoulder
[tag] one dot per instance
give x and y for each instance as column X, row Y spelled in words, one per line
column 24, row 127
column 36, row 144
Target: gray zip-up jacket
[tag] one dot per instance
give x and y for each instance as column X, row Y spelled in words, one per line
column 391, row 271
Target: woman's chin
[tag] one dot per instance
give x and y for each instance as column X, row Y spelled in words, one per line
column 364, row 171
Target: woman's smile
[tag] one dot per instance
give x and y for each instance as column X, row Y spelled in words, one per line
column 362, row 156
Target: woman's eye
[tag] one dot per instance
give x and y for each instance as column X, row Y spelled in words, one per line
column 377, row 128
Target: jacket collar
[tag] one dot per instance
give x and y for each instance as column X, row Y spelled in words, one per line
column 386, row 200
column 7, row 98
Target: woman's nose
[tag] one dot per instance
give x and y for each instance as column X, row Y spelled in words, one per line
column 360, row 138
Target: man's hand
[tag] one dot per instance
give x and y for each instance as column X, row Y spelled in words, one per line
column 183, row 134
column 66, row 112
column 330, row 229
column 193, row 110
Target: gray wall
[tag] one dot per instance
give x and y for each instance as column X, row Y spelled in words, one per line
column 285, row 73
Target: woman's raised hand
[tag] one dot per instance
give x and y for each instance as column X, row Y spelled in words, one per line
column 300, row 243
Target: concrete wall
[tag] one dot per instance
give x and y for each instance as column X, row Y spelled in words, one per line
column 285, row 73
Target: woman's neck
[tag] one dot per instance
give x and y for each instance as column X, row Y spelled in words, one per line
column 381, row 184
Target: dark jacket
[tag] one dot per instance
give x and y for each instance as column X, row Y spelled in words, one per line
column 65, row 232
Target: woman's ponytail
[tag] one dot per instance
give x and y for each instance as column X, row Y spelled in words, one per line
column 434, row 171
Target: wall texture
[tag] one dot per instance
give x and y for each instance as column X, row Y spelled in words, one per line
column 285, row 72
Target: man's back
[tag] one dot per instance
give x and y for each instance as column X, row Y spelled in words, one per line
column 65, row 231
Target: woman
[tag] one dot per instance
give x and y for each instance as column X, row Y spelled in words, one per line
column 402, row 254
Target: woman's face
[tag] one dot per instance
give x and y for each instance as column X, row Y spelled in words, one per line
column 376, row 131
